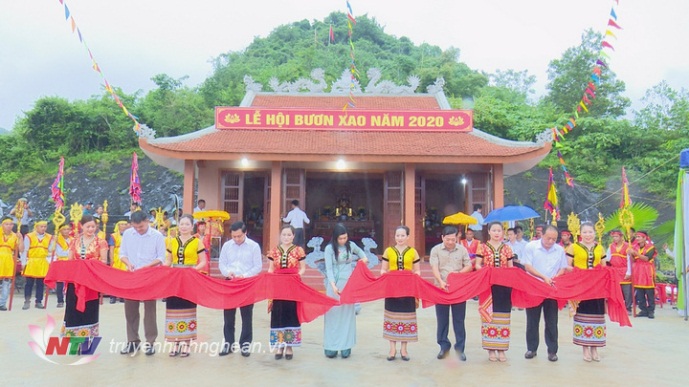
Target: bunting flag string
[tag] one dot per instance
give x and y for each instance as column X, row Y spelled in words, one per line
column 589, row 93
column 75, row 28
column 354, row 72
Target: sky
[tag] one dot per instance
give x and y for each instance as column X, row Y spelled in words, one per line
column 133, row 40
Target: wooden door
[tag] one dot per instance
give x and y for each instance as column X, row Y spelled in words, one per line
column 420, row 214
column 233, row 194
column 295, row 188
column 393, row 202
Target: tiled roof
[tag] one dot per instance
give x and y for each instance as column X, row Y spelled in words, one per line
column 342, row 143
column 212, row 143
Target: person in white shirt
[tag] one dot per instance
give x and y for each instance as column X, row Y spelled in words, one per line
column 297, row 218
column 142, row 246
column 517, row 247
column 200, row 205
column 545, row 260
column 478, row 215
column 240, row 257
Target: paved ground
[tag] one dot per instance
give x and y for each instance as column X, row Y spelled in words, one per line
column 653, row 352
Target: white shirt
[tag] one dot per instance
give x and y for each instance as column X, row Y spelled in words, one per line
column 479, row 226
column 296, row 218
column 517, row 247
column 244, row 259
column 196, row 209
column 142, row 250
column 547, row 262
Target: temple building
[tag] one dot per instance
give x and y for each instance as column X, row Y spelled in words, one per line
column 390, row 157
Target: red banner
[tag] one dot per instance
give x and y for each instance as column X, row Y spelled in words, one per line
column 356, row 120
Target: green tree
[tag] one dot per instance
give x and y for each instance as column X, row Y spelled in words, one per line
column 569, row 76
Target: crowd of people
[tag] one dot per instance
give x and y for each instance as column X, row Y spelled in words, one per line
column 136, row 244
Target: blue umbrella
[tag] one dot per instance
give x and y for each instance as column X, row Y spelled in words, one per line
column 510, row 213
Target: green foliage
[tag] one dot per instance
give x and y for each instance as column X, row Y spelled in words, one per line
column 644, row 217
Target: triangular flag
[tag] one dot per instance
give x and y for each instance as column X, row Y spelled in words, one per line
column 74, row 24
column 601, row 63
column 613, row 24
column 613, row 14
column 586, row 100
column 608, row 45
column 609, row 33
column 590, row 92
column 66, row 12
column 596, row 70
column 583, row 106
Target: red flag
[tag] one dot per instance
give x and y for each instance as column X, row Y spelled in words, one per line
column 134, row 183
column 332, row 34
column 626, row 201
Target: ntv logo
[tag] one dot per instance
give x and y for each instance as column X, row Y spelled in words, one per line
column 44, row 345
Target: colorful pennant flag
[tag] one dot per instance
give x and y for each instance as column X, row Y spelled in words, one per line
column 96, row 67
column 332, row 34
column 134, row 182
column 626, row 200
column 590, row 91
column 550, row 204
column 57, row 188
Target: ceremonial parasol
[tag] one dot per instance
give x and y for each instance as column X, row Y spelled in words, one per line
column 511, row 213
column 460, row 218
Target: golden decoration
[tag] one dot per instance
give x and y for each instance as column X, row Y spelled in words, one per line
column 159, row 219
column 232, row 118
column 75, row 213
column 104, row 216
column 19, row 212
column 626, row 218
column 574, row 226
column 600, row 228
column 58, row 220
column 456, row 121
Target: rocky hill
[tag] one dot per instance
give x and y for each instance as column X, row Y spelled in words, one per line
column 102, row 181
column 110, row 180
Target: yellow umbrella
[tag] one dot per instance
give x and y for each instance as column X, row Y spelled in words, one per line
column 460, row 218
column 212, row 214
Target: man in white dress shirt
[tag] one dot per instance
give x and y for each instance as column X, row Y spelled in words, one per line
column 142, row 246
column 545, row 260
column 297, row 218
column 240, row 257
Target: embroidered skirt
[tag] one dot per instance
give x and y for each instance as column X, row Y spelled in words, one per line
column 180, row 319
column 495, row 335
column 285, row 329
column 589, row 324
column 399, row 321
column 76, row 323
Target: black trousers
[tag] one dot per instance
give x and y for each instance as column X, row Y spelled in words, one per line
column 627, row 294
column 646, row 300
column 246, row 336
column 29, row 287
column 442, row 313
column 533, row 320
column 299, row 237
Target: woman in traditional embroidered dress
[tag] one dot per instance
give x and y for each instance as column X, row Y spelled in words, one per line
column 285, row 328
column 185, row 251
column 400, row 313
column 495, row 328
column 59, row 248
column 589, row 320
column 340, row 321
column 87, row 245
